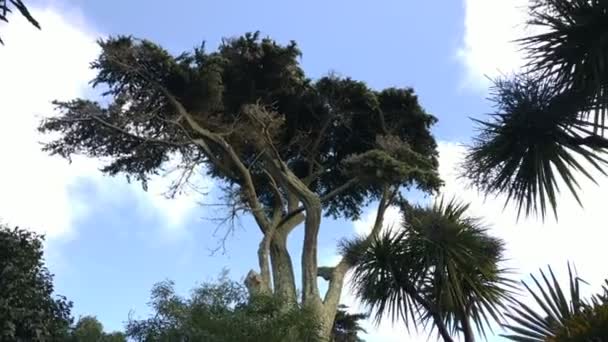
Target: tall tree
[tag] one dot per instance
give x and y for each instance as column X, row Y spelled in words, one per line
column 286, row 149
column 550, row 121
column 29, row 310
column 5, row 8
column 440, row 267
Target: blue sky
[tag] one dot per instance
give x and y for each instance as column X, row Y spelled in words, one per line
column 109, row 242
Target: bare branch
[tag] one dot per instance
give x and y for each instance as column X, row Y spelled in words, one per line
column 245, row 175
column 332, row 296
column 124, row 132
column 337, row 191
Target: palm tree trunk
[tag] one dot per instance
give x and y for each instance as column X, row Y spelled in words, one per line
column 443, row 330
column 437, row 319
column 467, row 330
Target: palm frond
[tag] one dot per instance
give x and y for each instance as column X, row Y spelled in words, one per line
column 572, row 50
column 384, row 279
column 533, row 141
column 439, row 270
column 555, row 309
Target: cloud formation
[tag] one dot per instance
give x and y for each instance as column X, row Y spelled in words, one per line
column 38, row 191
column 488, row 47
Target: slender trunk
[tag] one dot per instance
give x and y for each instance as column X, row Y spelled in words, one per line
column 437, row 318
column 310, row 289
column 443, row 330
column 467, row 330
column 336, row 281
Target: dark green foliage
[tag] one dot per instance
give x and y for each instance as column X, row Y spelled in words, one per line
column 5, row 8
column 560, row 318
column 550, row 120
column 534, row 140
column 89, row 329
column 250, row 91
column 572, row 50
column 590, row 325
column 220, row 311
column 440, row 267
column 347, row 326
column 29, row 311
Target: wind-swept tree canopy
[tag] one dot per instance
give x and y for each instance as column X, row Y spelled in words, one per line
column 250, row 92
column 289, row 149
column 550, row 120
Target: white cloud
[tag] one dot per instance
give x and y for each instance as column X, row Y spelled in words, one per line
column 36, row 67
column 488, row 49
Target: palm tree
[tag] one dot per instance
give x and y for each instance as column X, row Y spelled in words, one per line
column 440, row 268
column 347, row 325
column 560, row 319
column 551, row 116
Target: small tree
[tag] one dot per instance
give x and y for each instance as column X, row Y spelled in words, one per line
column 286, row 149
column 221, row 311
column 89, row 329
column 440, row 267
column 28, row 309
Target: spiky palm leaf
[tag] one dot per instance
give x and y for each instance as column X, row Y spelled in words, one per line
column 466, row 281
column 347, row 326
column 534, row 140
column 440, row 269
column 556, row 310
column 572, row 50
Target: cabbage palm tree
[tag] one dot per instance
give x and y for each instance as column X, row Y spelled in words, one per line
column 440, row 267
column 552, row 116
column 560, row 318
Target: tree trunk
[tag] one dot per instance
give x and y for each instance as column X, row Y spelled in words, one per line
column 325, row 317
column 282, row 269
